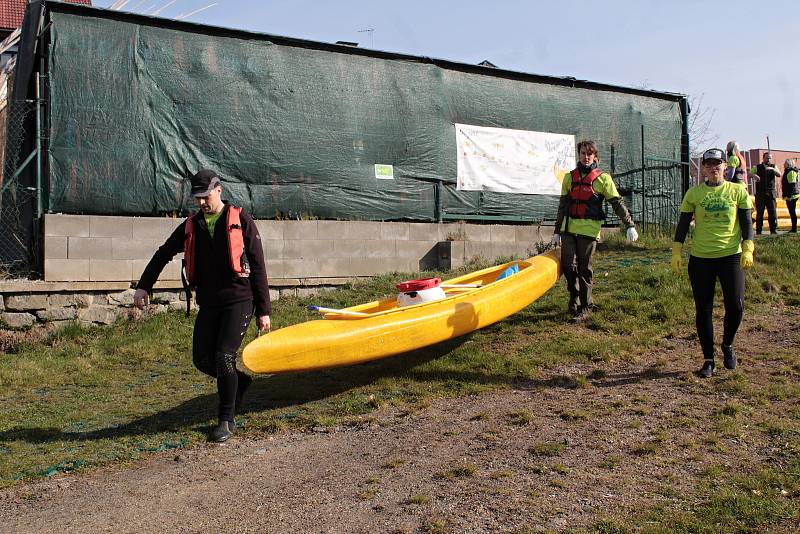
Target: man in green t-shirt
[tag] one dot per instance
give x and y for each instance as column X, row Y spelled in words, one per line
column 578, row 222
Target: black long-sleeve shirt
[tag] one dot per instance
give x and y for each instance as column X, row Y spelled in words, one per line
column 216, row 283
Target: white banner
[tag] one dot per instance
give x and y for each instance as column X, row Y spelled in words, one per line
column 512, row 161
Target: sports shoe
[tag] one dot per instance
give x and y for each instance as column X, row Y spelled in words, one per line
column 582, row 314
column 729, row 357
column 707, row 371
column 222, row 432
column 244, row 383
column 574, row 304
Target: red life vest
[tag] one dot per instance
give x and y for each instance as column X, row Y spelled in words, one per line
column 584, row 203
column 236, row 255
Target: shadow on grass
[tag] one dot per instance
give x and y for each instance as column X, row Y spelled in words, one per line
column 622, row 379
column 266, row 393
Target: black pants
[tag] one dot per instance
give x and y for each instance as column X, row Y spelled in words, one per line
column 772, row 214
column 576, row 264
column 218, row 334
column 792, row 205
column 703, row 275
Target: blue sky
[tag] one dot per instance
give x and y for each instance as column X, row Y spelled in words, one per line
column 739, row 61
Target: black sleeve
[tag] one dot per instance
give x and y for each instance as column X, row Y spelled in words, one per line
column 258, row 266
column 683, row 226
column 563, row 202
column 746, row 223
column 618, row 205
column 171, row 247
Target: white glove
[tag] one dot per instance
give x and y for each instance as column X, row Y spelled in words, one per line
column 633, row 235
column 556, row 240
column 140, row 299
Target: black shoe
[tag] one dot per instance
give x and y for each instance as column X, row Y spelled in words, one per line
column 573, row 307
column 707, row 371
column 244, row 383
column 729, row 357
column 222, row 432
column 582, row 314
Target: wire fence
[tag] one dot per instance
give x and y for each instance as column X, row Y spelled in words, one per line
column 17, row 198
column 654, row 192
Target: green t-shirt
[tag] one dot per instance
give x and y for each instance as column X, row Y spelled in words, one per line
column 716, row 232
column 603, row 185
column 733, row 161
column 211, row 221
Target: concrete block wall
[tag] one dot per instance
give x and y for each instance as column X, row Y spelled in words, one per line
column 89, row 248
column 90, row 261
column 93, row 248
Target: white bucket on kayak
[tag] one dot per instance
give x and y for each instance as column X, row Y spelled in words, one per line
column 419, row 291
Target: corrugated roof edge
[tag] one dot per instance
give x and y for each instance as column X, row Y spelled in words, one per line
column 320, row 45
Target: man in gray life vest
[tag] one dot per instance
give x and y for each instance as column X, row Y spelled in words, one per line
column 224, row 262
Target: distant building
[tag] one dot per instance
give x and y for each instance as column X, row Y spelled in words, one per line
column 12, row 11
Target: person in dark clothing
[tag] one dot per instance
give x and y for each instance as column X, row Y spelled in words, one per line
column 790, row 191
column 765, row 174
column 722, row 246
column 224, row 261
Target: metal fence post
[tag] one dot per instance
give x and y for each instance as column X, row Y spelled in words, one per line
column 438, row 205
column 644, row 191
column 39, row 199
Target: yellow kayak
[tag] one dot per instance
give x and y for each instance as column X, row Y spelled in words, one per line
column 381, row 328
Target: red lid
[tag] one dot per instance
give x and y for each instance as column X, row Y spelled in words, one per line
column 418, row 285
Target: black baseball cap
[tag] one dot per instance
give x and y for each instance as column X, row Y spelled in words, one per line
column 204, row 182
column 713, row 154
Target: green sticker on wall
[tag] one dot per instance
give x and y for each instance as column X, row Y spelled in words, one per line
column 384, row 172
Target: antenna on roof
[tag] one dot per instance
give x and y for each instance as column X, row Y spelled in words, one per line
column 186, row 15
column 371, row 32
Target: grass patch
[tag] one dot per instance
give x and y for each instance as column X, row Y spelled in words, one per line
column 547, row 449
column 748, row 503
column 418, row 499
column 611, row 462
column 460, row 471
column 520, row 418
column 393, row 464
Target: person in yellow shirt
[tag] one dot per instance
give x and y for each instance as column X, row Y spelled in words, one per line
column 578, row 222
column 790, row 191
column 722, row 246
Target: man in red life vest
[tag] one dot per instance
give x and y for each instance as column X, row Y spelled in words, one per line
column 578, row 221
column 224, row 262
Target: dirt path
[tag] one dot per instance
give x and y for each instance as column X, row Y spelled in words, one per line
column 552, row 454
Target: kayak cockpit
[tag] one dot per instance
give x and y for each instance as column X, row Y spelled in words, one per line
column 456, row 288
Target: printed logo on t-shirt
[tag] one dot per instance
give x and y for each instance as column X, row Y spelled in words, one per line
column 715, row 202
